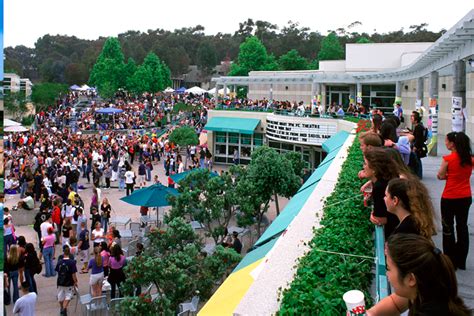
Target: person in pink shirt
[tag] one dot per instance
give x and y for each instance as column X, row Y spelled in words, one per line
column 48, row 252
column 117, row 262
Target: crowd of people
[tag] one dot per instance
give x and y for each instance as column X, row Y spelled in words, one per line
column 401, row 203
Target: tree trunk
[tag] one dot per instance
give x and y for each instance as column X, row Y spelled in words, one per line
column 276, row 204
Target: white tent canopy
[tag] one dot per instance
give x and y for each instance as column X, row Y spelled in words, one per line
column 169, row 90
column 221, row 91
column 195, row 90
column 15, row 129
column 8, row 122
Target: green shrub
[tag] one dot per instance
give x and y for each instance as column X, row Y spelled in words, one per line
column 28, row 120
column 322, row 278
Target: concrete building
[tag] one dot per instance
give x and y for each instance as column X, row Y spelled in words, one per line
column 430, row 76
column 13, row 83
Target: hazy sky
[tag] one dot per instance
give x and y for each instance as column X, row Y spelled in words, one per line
column 27, row 20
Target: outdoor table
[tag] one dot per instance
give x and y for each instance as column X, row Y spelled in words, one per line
column 146, row 219
column 120, row 220
column 126, row 234
column 196, row 225
column 239, row 230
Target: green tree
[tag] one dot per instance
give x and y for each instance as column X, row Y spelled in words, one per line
column 140, row 81
column 15, row 104
column 153, row 64
column 206, row 57
column 296, row 161
column 108, row 73
column 292, row 61
column 184, row 136
column 331, row 49
column 173, row 263
column 363, row 40
column 129, row 70
column 166, row 75
column 209, row 200
column 252, row 56
column 45, row 94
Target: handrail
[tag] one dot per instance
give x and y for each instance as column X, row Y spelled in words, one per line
column 381, row 281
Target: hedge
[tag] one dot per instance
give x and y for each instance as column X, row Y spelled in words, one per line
column 322, row 278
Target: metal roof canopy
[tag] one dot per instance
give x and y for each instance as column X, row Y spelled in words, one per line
column 456, row 44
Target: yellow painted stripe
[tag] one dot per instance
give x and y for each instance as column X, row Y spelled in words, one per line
column 230, row 293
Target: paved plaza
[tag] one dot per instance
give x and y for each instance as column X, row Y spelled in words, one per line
column 47, row 301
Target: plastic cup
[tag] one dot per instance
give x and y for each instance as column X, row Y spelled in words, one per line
column 355, row 302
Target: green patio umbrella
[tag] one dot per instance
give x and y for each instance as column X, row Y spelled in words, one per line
column 180, row 176
column 153, row 196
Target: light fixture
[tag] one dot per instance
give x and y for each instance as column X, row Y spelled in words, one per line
column 471, row 62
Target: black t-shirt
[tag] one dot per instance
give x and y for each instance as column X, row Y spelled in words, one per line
column 407, row 226
column 65, row 230
column 380, row 209
column 237, row 245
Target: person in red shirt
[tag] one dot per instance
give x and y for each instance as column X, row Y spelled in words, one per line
column 456, row 199
column 56, row 217
column 170, row 181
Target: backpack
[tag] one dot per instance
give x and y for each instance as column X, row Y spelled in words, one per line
column 64, row 275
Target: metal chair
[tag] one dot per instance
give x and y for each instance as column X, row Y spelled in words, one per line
column 135, row 226
column 190, row 306
column 97, row 306
column 114, row 306
column 131, row 249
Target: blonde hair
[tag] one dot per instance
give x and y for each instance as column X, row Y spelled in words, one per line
column 421, row 207
column 97, row 256
column 13, row 255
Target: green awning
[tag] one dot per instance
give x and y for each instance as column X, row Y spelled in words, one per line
column 336, row 141
column 232, row 125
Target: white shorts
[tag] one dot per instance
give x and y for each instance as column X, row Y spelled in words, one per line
column 141, row 179
column 96, row 278
column 65, row 293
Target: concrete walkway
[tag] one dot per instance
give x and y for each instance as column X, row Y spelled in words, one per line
column 430, row 169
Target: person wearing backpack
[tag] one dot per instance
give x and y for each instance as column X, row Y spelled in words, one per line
column 67, row 280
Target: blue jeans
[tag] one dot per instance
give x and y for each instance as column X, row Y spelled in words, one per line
column 121, row 185
column 23, row 188
column 74, row 186
column 30, row 278
column 48, row 261
column 14, row 281
column 104, row 222
column 148, row 174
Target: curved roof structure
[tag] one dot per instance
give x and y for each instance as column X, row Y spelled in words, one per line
column 456, row 44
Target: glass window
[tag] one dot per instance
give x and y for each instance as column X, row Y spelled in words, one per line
column 245, row 152
column 233, row 138
column 287, row 146
column 221, row 150
column 246, row 139
column 272, row 144
column 221, row 137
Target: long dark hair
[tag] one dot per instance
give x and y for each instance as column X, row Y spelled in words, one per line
column 433, row 271
column 463, row 147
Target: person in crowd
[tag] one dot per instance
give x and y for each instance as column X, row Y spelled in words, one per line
column 9, row 238
column 97, row 235
column 418, row 142
column 116, row 274
column 105, row 210
column 379, row 172
column 116, row 238
column 56, row 218
column 105, row 253
column 31, row 265
column 49, row 252
column 25, row 305
column 414, row 210
column 67, row 231
column 84, row 245
column 423, row 280
column 95, row 217
column 97, row 273
column 376, row 123
column 12, row 265
column 236, row 243
column 21, row 242
column 129, row 180
column 80, row 218
column 456, row 169
column 67, row 280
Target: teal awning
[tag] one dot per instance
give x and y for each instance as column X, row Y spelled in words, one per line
column 336, row 141
column 255, row 255
column 232, row 125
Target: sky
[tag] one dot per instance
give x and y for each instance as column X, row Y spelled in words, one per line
column 27, row 20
